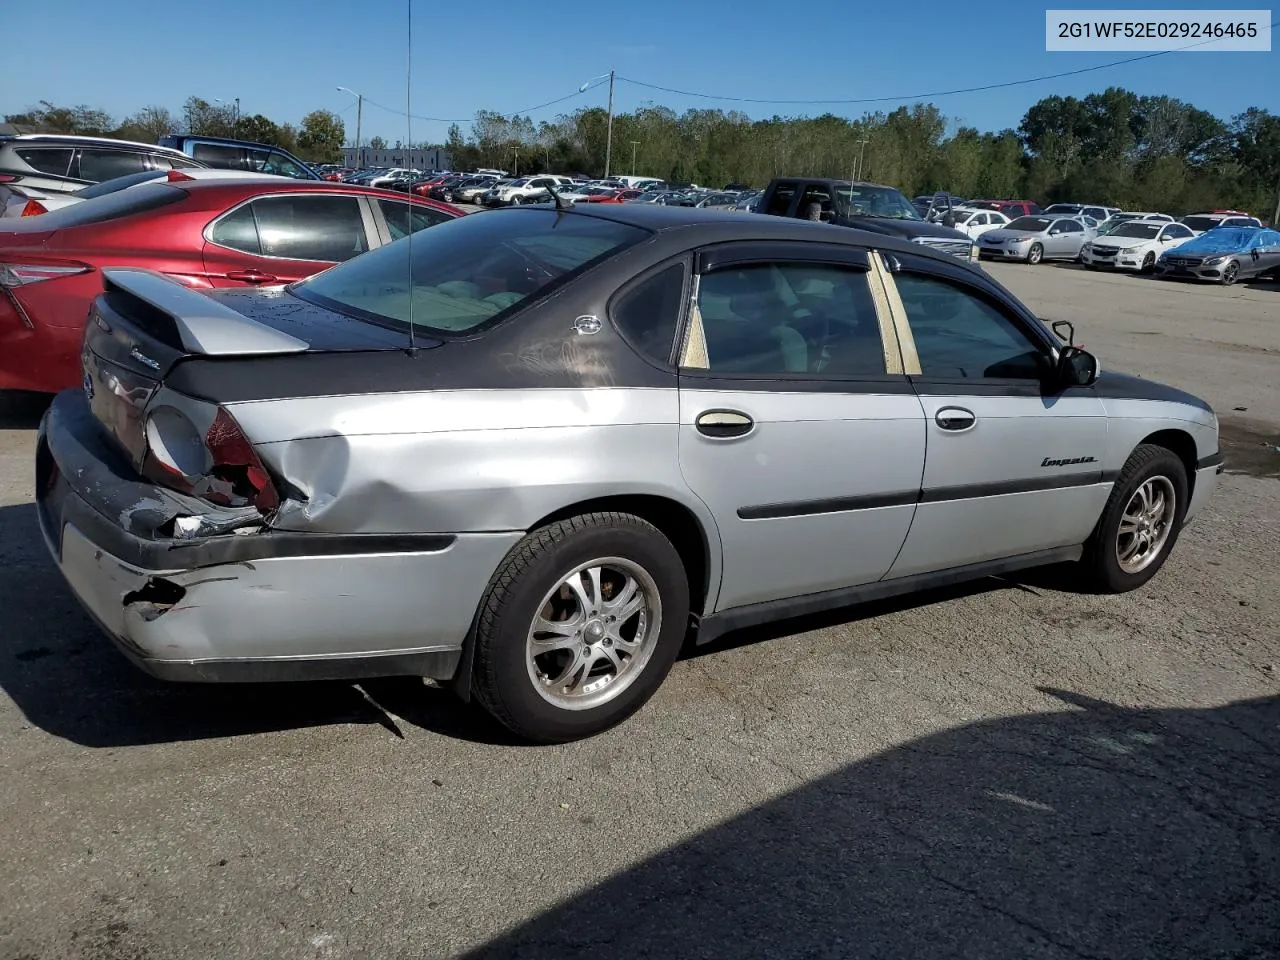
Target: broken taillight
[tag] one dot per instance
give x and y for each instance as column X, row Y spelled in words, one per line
column 33, row 208
column 230, row 472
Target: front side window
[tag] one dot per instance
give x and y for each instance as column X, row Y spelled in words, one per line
column 790, row 318
column 99, row 165
column 276, row 164
column 310, row 227
column 780, row 201
column 960, row 335
column 469, row 271
column 403, row 218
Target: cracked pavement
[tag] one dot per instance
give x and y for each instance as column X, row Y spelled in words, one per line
column 1002, row 770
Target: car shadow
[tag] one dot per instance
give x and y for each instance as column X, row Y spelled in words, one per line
column 1093, row 831
column 20, row 410
column 70, row 681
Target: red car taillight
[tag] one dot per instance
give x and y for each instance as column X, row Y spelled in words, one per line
column 20, row 274
column 33, row 208
column 221, row 467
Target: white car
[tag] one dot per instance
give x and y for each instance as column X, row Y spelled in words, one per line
column 35, row 202
column 1142, row 215
column 1134, row 245
column 976, row 222
column 524, row 190
column 391, row 176
column 1200, row 222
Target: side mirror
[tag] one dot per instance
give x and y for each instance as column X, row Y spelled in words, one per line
column 1076, row 367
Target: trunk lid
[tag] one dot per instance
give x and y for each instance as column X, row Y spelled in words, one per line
column 143, row 325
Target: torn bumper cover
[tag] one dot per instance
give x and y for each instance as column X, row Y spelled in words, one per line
column 194, row 592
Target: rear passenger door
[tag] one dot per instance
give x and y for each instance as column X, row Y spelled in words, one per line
column 1010, row 468
column 798, row 427
column 286, row 237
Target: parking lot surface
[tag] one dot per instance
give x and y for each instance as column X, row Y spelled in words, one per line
column 1005, row 770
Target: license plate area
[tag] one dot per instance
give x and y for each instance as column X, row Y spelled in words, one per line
column 118, row 398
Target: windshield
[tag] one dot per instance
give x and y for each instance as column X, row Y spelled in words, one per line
column 468, row 271
column 1222, row 239
column 1200, row 224
column 867, row 201
column 1142, row 231
column 1032, row 224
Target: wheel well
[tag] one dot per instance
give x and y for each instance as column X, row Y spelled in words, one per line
column 1181, row 444
column 677, row 523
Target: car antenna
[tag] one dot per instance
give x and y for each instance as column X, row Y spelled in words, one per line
column 408, row 119
column 560, row 204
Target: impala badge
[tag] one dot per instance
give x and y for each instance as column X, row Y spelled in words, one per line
column 143, row 358
column 587, row 325
column 87, row 383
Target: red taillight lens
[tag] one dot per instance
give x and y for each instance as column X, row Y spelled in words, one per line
column 33, row 208
column 7, row 178
column 237, row 464
column 177, row 176
column 21, row 274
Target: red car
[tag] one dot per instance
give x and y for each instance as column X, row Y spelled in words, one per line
column 1013, row 209
column 203, row 233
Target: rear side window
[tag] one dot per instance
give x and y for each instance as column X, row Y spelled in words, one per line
column 647, row 315
column 55, row 161
column 99, row 165
column 121, row 203
column 317, row 227
column 238, row 230
column 403, row 219
column 780, row 201
column 276, row 164
column 224, row 158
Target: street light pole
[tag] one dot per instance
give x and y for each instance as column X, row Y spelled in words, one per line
column 359, row 115
column 634, row 144
column 862, row 153
column 608, row 143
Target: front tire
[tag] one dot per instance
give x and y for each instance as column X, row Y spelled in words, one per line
column 517, row 200
column 1230, row 273
column 1149, row 263
column 580, row 626
column 1035, row 254
column 1140, row 523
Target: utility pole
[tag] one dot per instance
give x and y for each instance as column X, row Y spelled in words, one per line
column 516, row 171
column 608, row 143
column 1275, row 220
column 634, row 144
column 359, row 117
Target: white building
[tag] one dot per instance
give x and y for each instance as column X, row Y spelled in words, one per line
column 430, row 158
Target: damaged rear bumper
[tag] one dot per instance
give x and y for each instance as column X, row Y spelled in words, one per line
column 254, row 605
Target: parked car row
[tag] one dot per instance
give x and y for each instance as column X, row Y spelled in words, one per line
column 204, row 228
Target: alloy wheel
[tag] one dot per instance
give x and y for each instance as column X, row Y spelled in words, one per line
column 1145, row 524
column 593, row 633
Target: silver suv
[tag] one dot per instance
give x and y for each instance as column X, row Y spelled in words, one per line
column 61, row 164
column 529, row 452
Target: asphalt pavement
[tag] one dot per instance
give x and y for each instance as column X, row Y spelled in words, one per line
column 1010, row 769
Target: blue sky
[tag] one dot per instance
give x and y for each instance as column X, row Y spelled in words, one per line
column 286, row 59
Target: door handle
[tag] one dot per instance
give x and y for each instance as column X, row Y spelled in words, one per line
column 723, row 424
column 251, row 276
column 955, row 418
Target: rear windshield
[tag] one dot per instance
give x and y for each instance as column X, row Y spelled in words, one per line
column 1143, row 231
column 1034, row 224
column 118, row 183
column 462, row 274
column 121, row 203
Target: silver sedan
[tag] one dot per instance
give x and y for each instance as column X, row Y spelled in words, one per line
column 1032, row 239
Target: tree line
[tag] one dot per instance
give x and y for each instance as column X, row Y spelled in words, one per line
column 1113, row 147
column 318, row 137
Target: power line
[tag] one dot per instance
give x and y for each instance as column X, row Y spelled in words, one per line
column 928, row 96
column 514, row 113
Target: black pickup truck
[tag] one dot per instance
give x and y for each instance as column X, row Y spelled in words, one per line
column 867, row 206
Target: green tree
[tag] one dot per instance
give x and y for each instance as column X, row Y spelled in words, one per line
column 322, row 136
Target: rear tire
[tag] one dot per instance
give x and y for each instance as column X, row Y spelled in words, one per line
column 560, row 652
column 1035, row 254
column 1140, row 523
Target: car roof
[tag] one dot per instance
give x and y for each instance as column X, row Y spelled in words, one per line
column 73, row 139
column 230, row 141
column 722, row 227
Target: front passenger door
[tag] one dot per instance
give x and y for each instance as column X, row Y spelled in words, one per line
column 1010, row 467
column 798, row 428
